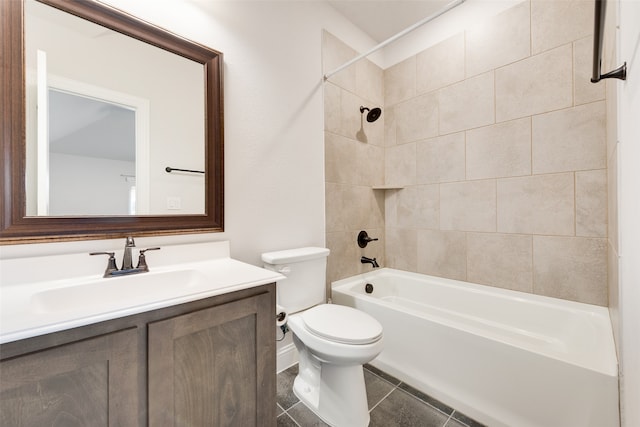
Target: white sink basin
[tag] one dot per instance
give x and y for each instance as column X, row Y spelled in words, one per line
column 44, row 294
column 115, row 292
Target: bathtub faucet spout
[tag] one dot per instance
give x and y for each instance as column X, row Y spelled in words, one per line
column 371, row 261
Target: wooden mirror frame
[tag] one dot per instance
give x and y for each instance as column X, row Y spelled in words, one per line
column 15, row 226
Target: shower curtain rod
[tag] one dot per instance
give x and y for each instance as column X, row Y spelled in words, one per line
column 391, row 39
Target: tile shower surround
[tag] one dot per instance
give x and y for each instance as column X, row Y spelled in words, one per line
column 392, row 403
column 499, row 140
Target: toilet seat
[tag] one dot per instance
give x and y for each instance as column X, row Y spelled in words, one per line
column 342, row 324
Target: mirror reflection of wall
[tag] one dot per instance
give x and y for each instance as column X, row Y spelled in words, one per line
column 91, row 156
column 87, row 54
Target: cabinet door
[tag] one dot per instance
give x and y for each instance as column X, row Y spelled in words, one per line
column 214, row 367
column 93, row 382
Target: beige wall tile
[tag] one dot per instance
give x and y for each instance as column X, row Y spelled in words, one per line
column 468, row 206
column 350, row 207
column 467, row 105
column 440, row 65
column 332, row 108
column 503, row 260
column 584, row 90
column 570, row 139
column 500, row 150
column 369, row 82
column 389, row 118
column 400, row 248
column 335, row 220
column 400, row 81
column 367, row 164
column 354, row 124
column 344, row 258
column 440, row 159
column 591, row 203
column 535, row 85
column 400, row 164
column 541, row 204
column 417, row 118
column 498, row 41
column 376, row 210
column 339, row 154
column 335, row 53
column 442, row 253
column 573, row 268
column 554, row 22
column 391, row 207
column 416, row 207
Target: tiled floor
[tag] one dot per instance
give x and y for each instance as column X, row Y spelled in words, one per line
column 392, row 403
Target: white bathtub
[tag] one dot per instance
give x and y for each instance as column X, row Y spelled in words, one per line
column 503, row 357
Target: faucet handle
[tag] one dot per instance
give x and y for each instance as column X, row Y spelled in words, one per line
column 111, row 262
column 142, row 260
column 364, row 239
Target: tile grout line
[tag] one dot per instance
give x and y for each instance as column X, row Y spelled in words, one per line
column 427, row 403
column 287, row 413
column 381, row 400
column 449, row 419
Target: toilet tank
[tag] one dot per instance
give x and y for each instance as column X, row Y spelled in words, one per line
column 305, row 271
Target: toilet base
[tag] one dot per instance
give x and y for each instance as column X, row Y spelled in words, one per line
column 335, row 393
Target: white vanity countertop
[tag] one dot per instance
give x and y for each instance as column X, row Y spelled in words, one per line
column 36, row 298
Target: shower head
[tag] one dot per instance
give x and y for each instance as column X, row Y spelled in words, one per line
column 373, row 113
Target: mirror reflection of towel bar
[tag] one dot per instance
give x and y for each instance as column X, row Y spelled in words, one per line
column 170, row 169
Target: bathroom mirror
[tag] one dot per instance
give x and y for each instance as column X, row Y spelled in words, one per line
column 186, row 75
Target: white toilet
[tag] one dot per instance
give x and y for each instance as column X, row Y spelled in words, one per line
column 333, row 341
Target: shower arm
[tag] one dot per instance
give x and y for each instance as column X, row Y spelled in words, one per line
column 391, row 39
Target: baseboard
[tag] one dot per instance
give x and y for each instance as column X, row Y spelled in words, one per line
column 286, row 357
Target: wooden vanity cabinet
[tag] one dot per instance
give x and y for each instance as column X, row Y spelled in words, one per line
column 210, row 362
column 92, row 382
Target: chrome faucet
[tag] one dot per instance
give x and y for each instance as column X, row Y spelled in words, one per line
column 371, row 261
column 127, row 260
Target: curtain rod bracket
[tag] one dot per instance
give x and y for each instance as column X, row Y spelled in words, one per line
column 618, row 73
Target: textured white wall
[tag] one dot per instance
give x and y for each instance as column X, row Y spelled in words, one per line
column 273, row 118
column 629, row 210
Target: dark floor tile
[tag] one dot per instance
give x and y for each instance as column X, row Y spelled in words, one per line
column 426, row 398
column 393, row 380
column 285, row 420
column 285, row 396
column 469, row 422
column 305, row 416
column 377, row 388
column 400, row 409
column 454, row 423
column 279, row 410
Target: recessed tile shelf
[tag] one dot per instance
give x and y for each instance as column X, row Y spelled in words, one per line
column 387, row 187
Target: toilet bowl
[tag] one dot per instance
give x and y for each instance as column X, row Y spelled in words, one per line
column 330, row 378
column 333, row 341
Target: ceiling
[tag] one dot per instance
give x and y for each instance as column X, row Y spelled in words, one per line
column 382, row 19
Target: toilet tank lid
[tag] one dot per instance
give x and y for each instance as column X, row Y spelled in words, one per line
column 294, row 255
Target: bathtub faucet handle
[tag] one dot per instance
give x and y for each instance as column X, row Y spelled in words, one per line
column 364, row 239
